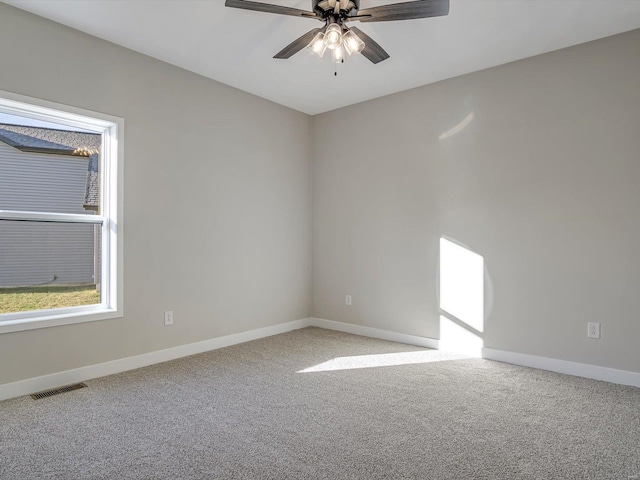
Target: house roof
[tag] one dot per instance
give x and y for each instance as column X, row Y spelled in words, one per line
column 59, row 142
column 61, row 138
column 27, row 143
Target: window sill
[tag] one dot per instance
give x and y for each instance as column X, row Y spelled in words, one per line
column 12, row 322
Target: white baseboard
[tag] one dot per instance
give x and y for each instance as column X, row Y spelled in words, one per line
column 31, row 385
column 374, row 333
column 622, row 377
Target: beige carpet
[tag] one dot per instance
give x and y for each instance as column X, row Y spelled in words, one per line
column 316, row 404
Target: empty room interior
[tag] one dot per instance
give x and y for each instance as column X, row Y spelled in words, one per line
column 320, row 239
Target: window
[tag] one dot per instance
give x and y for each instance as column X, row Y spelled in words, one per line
column 60, row 214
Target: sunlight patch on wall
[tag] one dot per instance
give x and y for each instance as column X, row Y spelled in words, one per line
column 461, row 299
column 457, row 128
column 462, row 284
column 457, row 339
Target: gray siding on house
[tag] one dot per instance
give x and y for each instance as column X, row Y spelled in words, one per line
column 34, row 253
column 40, row 182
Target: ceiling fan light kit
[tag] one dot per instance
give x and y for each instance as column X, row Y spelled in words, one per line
column 335, row 14
column 337, row 39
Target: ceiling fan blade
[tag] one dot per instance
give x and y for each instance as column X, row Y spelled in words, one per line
column 297, row 45
column 406, row 11
column 268, row 8
column 372, row 51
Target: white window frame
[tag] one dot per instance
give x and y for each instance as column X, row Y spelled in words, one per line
column 109, row 217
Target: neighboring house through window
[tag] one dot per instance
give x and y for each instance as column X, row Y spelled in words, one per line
column 60, row 236
column 45, row 169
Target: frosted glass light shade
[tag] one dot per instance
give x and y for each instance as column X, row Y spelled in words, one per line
column 333, row 36
column 317, row 45
column 352, row 43
column 337, row 54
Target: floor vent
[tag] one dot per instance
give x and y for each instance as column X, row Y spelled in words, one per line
column 57, row 391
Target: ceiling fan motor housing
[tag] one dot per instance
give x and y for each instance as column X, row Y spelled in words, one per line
column 327, row 8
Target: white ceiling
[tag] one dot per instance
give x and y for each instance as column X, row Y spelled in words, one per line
column 236, row 46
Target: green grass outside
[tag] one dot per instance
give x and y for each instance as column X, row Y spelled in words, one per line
column 43, row 298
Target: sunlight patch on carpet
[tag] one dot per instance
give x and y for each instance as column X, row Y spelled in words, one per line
column 383, row 360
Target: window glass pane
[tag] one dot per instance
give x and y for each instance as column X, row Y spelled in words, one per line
column 46, row 167
column 47, row 265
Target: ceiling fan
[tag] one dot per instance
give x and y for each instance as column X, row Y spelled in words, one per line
column 335, row 35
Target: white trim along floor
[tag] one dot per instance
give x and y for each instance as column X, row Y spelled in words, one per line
column 28, row 386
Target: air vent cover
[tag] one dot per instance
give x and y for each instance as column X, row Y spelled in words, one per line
column 57, row 391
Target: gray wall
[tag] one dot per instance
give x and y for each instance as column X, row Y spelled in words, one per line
column 217, row 198
column 544, row 182
column 36, row 253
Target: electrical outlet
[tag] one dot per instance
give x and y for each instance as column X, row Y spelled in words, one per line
column 168, row 318
column 347, row 300
column 593, row 330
